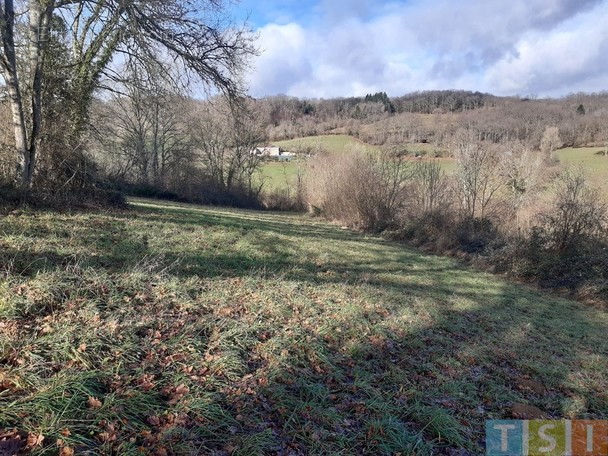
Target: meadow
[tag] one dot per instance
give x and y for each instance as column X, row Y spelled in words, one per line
column 175, row 329
column 590, row 159
column 329, row 143
column 279, row 176
column 283, row 175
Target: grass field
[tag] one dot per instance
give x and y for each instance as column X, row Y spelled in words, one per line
column 279, row 175
column 174, row 329
column 329, row 143
column 595, row 165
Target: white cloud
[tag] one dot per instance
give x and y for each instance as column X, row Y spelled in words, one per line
column 283, row 60
column 534, row 46
column 570, row 58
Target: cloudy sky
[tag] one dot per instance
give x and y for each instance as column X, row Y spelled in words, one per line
column 328, row 48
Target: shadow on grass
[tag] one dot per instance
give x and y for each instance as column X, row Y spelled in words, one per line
column 421, row 357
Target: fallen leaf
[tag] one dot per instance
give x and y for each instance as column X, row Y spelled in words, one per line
column 34, row 440
column 94, row 403
column 66, row 451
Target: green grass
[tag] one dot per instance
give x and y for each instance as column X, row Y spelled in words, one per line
column 595, row 165
column 281, row 175
column 329, row 143
column 190, row 330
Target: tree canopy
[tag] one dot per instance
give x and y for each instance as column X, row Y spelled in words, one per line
column 83, row 41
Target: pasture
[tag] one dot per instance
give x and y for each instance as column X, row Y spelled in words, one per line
column 177, row 329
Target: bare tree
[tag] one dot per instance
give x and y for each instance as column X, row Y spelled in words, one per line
column 142, row 131
column 431, row 186
column 478, row 176
column 195, row 34
column 550, row 141
column 521, row 169
column 225, row 138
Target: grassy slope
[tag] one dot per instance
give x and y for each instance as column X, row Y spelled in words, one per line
column 274, row 172
column 205, row 331
column 330, row 143
column 596, row 166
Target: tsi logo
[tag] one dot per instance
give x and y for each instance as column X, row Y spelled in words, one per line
column 546, row 438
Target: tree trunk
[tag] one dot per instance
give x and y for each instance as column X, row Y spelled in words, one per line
column 20, row 130
column 9, row 67
column 27, row 119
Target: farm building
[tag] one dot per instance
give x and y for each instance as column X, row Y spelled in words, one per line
column 267, row 151
column 272, row 152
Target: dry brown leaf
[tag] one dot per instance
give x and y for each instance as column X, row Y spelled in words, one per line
column 34, row 440
column 94, row 403
column 66, row 451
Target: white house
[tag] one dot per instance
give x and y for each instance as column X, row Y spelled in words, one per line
column 267, row 151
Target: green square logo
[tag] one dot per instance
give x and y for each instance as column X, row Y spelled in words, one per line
column 546, row 438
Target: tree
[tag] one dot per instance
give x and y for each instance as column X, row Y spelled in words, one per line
column 580, row 110
column 477, row 174
column 431, row 187
column 142, row 132
column 521, row 169
column 195, row 35
column 550, row 141
column 224, row 139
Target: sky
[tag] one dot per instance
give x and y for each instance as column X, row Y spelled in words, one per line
column 339, row 48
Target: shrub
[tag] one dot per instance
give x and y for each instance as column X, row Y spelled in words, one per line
column 358, row 189
column 282, row 200
column 568, row 247
column 577, row 215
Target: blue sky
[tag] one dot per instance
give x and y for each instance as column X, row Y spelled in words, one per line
column 328, row 48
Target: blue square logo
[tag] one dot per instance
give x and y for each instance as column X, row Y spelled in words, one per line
column 504, row 438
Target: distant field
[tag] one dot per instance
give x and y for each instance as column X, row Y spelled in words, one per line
column 595, row 165
column 278, row 175
column 330, row 143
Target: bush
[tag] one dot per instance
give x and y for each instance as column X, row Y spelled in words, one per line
column 428, row 230
column 357, row 189
column 568, row 248
column 577, row 216
column 282, row 200
column 475, row 235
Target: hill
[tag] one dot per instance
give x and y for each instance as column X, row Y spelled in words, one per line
column 193, row 330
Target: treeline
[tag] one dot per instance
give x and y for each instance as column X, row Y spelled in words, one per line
column 435, row 117
column 59, row 59
column 152, row 142
column 442, row 101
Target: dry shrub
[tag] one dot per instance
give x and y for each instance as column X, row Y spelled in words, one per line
column 430, row 190
column 578, row 214
column 568, row 247
column 360, row 190
column 282, row 200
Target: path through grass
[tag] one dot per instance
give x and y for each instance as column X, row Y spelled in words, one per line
column 171, row 329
